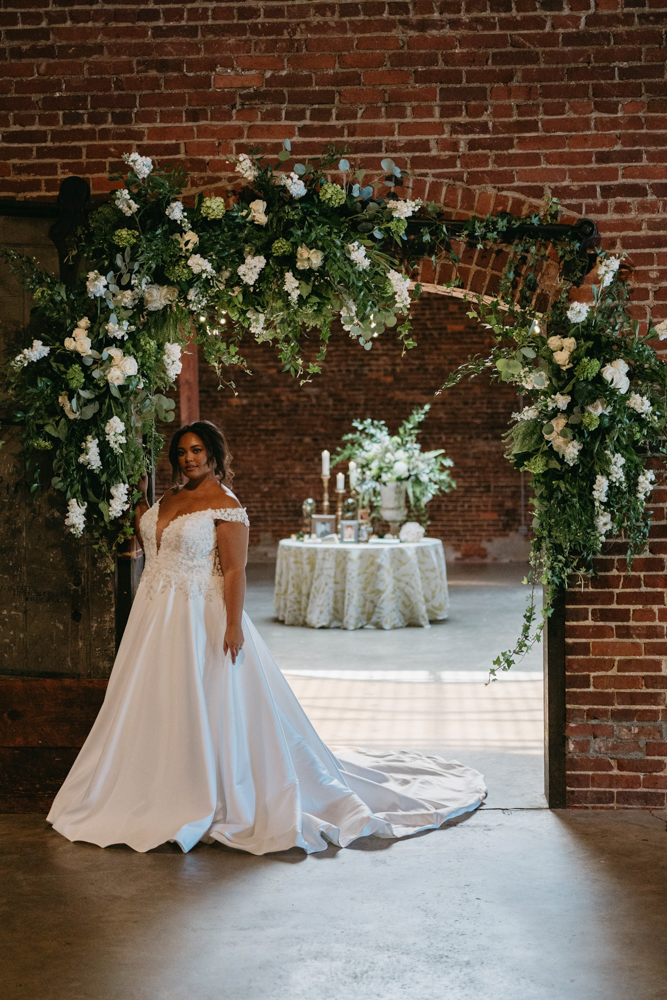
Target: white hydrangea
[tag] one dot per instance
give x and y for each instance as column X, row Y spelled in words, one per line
column 616, row 473
column 175, row 211
column 250, row 270
column 76, row 519
column 600, row 489
column 560, row 401
column 119, row 500
column 526, row 377
column 257, row 321
column 294, row 185
column 246, row 167
column 127, row 298
column 358, row 255
column 114, row 430
column 63, row 399
column 291, row 286
column 172, row 360
column 200, row 265
column 639, row 403
column 125, row 203
column 529, row 413
column 578, row 312
column 142, row 165
column 607, row 270
column 400, row 283
column 403, row 208
column 570, row 451
column 95, row 284
column 33, row 353
column 91, row 453
column 603, row 524
column 645, row 483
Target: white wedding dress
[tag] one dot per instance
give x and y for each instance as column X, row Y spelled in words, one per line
column 190, row 747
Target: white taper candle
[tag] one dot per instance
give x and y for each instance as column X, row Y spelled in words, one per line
column 340, row 481
column 325, row 463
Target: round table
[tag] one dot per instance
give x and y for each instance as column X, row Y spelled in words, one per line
column 346, row 585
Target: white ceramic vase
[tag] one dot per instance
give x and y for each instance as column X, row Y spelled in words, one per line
column 392, row 505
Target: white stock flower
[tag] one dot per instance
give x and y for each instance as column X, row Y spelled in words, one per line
column 63, row 399
column 358, row 255
column 142, row 165
column 616, row 473
column 294, row 185
column 33, row 353
column 661, row 329
column 200, row 265
column 560, row 401
column 258, row 212
column 578, row 312
column 600, row 489
column 119, row 330
column 196, row 300
column 570, row 451
column 400, row 283
column 124, row 202
column 526, row 377
column 645, row 483
column 91, row 453
column 599, row 407
column 172, row 360
column 603, row 524
column 187, row 242
column 175, row 211
column 639, row 403
column 403, row 208
column 607, row 270
column 119, row 500
column 249, row 271
column 529, row 413
column 246, row 167
column 126, row 299
column 76, row 520
column 615, row 374
column 291, row 286
column 114, row 430
column 156, row 297
column 95, row 284
column 257, row 320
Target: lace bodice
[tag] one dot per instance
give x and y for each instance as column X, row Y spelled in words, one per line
column 188, row 555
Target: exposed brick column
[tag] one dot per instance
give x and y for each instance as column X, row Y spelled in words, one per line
column 188, row 385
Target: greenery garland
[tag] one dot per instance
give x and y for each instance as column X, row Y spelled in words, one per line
column 278, row 258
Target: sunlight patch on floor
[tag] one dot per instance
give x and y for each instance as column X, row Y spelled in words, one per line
column 503, row 716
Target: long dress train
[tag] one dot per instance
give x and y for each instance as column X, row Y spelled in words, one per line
column 190, row 747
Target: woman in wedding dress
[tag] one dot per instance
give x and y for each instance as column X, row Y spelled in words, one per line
column 200, row 737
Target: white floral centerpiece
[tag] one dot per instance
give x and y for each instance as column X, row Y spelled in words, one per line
column 383, row 458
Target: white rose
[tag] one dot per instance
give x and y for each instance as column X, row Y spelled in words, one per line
column 82, row 345
column 555, row 343
column 70, row 343
column 578, row 312
column 258, row 212
column 569, row 344
column 562, row 358
column 303, row 257
column 615, row 374
column 156, row 297
column 598, row 407
column 128, row 366
column 316, row 258
column 558, row 423
column 115, row 376
column 115, row 353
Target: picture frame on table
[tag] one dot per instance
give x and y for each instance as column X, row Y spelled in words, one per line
column 349, row 531
column 322, row 525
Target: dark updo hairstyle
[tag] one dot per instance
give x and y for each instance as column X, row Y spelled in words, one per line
column 217, row 449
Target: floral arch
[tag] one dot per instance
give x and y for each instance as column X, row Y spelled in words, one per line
column 278, row 258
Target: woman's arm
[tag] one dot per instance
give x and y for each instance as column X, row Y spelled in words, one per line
column 142, row 507
column 233, row 551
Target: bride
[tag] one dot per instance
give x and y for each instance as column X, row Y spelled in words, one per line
column 200, row 737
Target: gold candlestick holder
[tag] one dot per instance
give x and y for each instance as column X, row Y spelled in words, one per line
column 325, row 501
column 339, row 510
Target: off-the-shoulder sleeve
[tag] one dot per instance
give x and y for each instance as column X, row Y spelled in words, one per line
column 232, row 514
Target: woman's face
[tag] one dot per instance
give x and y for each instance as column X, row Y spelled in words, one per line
column 192, row 458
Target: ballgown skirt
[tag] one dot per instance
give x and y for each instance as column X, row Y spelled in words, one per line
column 191, row 747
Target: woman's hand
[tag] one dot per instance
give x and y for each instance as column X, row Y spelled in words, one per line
column 234, row 640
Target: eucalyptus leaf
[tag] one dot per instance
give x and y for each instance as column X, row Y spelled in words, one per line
column 287, row 144
column 366, row 192
column 284, row 155
column 299, row 169
column 378, row 234
column 528, row 352
column 344, row 165
column 387, row 164
column 113, row 389
column 88, row 411
column 355, row 190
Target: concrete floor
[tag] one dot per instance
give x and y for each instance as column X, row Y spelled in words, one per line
column 509, row 903
column 524, row 905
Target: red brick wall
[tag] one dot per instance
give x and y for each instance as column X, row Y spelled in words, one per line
column 278, row 428
column 489, row 95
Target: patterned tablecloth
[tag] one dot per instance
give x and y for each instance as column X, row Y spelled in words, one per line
column 328, row 585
